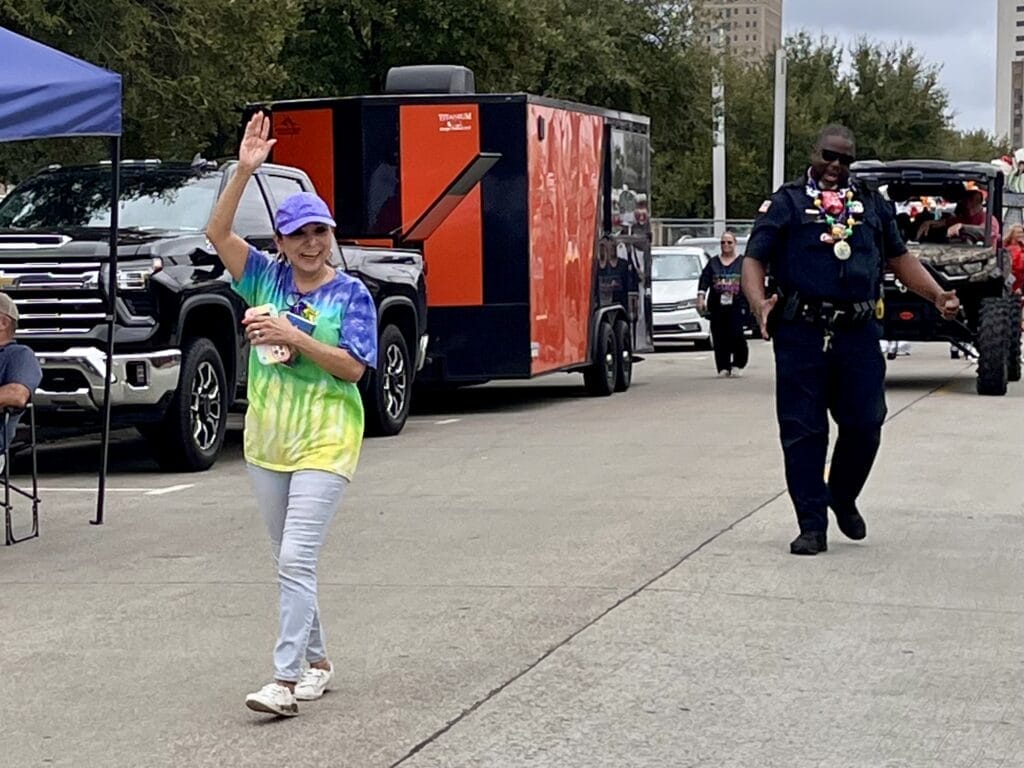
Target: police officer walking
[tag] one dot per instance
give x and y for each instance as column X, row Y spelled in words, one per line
column 826, row 243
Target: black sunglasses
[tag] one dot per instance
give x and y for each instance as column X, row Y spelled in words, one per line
column 830, row 157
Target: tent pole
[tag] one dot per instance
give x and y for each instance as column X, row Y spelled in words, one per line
column 115, row 196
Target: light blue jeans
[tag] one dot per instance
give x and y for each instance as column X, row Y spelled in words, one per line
column 297, row 508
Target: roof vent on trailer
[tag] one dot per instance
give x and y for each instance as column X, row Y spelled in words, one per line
column 429, row 78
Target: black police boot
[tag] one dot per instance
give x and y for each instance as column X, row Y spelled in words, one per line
column 809, row 543
column 851, row 523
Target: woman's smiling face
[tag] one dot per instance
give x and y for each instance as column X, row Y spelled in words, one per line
column 307, row 249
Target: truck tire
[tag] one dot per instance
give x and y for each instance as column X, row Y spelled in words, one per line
column 993, row 346
column 624, row 359
column 1014, row 359
column 600, row 377
column 192, row 432
column 388, row 390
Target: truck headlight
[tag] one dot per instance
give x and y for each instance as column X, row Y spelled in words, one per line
column 135, row 277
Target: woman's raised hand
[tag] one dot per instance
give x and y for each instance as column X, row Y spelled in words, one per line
column 255, row 146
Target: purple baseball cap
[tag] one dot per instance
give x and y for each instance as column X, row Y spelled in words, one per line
column 301, row 209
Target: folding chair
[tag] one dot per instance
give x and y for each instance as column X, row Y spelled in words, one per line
column 9, row 487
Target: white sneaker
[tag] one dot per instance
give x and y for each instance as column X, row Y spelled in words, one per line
column 314, row 683
column 274, row 699
column 737, row 373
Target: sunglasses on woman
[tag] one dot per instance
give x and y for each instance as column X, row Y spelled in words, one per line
column 830, row 157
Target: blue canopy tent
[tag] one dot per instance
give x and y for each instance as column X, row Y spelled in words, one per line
column 45, row 93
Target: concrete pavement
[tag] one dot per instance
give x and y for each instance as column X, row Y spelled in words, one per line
column 529, row 577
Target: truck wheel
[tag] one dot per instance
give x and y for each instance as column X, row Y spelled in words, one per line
column 624, row 361
column 1013, row 361
column 600, row 377
column 192, row 433
column 993, row 347
column 387, row 394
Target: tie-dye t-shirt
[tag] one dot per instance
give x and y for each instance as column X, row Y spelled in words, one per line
column 300, row 416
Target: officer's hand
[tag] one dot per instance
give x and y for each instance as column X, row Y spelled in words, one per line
column 762, row 310
column 702, row 306
column 948, row 304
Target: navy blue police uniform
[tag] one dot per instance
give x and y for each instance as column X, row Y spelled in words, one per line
column 826, row 340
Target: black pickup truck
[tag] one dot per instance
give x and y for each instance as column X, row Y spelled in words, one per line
column 179, row 350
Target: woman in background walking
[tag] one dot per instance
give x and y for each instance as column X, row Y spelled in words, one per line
column 719, row 296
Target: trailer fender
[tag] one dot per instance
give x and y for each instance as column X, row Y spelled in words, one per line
column 611, row 314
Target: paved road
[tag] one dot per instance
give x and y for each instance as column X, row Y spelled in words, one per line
column 532, row 578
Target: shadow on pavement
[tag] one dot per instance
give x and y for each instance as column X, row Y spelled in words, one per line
column 502, row 398
column 957, row 385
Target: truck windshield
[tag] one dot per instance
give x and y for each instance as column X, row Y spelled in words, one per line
column 151, row 199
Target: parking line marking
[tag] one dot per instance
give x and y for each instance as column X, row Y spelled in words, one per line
column 92, row 489
column 171, row 489
column 447, row 421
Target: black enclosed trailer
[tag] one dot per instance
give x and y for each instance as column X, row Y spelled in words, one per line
column 532, row 216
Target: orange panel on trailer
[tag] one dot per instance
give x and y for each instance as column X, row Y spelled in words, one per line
column 565, row 180
column 437, row 142
column 305, row 139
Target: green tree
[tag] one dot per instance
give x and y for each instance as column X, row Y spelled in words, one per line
column 975, row 145
column 896, row 105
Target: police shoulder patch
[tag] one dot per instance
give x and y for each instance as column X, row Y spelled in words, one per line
column 765, row 206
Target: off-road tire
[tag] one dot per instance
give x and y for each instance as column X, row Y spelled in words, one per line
column 624, row 356
column 191, row 435
column 993, row 346
column 601, row 376
column 387, row 393
column 1014, row 360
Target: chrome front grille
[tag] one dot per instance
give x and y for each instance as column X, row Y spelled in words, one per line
column 55, row 298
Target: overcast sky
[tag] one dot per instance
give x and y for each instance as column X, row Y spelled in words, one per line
column 958, row 35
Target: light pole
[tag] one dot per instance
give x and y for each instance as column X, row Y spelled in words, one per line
column 779, row 158
column 718, row 121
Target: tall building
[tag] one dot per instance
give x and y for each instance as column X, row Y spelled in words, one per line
column 753, row 28
column 1010, row 71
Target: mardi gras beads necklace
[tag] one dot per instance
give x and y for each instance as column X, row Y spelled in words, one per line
column 837, row 210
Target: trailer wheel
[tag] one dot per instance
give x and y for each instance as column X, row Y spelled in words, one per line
column 993, row 347
column 192, row 433
column 386, row 396
column 624, row 359
column 1014, row 360
column 601, row 376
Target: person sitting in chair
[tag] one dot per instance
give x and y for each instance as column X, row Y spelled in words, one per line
column 20, row 373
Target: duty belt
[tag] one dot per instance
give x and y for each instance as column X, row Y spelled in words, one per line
column 829, row 314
